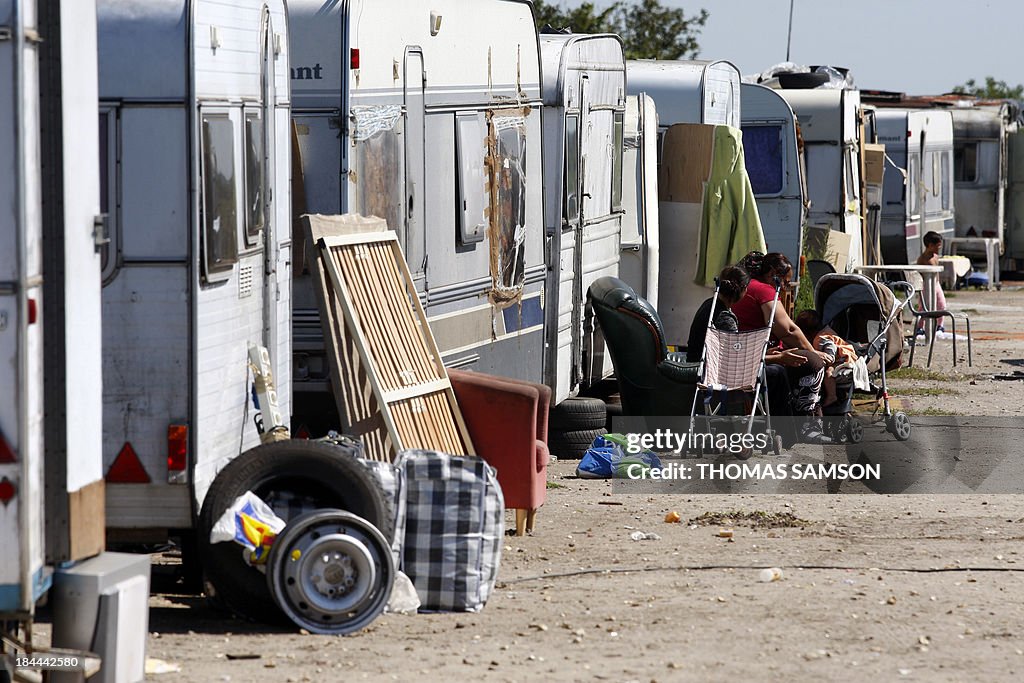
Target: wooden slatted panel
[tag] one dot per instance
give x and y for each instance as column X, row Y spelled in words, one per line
column 373, row 307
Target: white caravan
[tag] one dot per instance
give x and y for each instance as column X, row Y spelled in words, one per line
column 830, row 126
column 981, row 136
column 428, row 116
column 194, row 170
column 584, row 92
column 688, row 91
column 920, row 144
column 48, row 214
column 641, row 244
column 51, row 477
column 771, row 152
column 706, row 92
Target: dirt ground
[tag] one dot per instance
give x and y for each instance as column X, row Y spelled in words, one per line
column 921, row 587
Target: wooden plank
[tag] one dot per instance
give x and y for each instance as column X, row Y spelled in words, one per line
column 352, row 323
column 383, row 319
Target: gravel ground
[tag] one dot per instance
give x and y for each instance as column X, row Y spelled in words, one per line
column 885, row 587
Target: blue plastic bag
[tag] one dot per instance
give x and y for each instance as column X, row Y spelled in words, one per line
column 607, row 458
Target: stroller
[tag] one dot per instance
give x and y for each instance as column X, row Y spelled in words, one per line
column 867, row 315
column 733, row 363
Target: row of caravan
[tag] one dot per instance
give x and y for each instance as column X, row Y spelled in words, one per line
column 515, row 167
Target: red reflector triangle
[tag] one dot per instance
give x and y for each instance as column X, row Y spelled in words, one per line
column 127, row 468
column 303, row 433
column 6, row 453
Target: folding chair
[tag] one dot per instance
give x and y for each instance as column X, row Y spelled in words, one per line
column 734, row 362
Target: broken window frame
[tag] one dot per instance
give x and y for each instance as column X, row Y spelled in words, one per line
column 507, row 179
column 376, row 134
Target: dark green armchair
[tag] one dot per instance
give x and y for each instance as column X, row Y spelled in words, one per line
column 651, row 380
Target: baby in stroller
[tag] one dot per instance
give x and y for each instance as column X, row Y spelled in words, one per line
column 826, row 340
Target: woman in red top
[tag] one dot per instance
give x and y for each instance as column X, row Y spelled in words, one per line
column 803, row 366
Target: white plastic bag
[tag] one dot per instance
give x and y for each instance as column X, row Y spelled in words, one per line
column 404, row 598
column 250, row 523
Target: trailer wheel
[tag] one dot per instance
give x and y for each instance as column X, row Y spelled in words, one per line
column 321, row 475
column 330, row 572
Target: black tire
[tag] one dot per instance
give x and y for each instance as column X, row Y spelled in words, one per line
column 576, row 414
column 573, row 444
column 613, row 410
column 327, row 475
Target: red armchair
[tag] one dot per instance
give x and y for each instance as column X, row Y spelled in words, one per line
column 507, row 420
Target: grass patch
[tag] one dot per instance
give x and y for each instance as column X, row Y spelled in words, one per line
column 555, row 485
column 949, row 295
column 756, row 519
column 931, row 412
column 927, row 391
column 919, row 373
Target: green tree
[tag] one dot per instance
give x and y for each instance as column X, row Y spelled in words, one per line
column 992, row 89
column 582, row 19
column 649, row 30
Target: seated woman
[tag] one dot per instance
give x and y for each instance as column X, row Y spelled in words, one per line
column 732, row 285
column 796, row 358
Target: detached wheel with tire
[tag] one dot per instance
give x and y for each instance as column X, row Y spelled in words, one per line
column 330, row 572
column 309, row 475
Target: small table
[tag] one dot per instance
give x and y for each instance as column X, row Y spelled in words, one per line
column 929, row 275
column 987, row 246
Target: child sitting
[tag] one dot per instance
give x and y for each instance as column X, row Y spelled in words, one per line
column 930, row 257
column 825, row 339
column 732, row 285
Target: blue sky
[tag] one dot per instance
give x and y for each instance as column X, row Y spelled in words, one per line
column 913, row 46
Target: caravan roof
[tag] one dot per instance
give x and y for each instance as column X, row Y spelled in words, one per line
column 478, row 51
column 598, row 52
column 688, row 91
column 825, row 115
column 157, row 50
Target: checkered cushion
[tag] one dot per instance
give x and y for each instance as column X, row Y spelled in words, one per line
column 452, row 522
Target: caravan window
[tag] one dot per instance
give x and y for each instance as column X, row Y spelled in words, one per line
column 945, row 181
column 572, row 167
column 219, row 208
column 762, row 152
column 935, row 173
column 255, row 162
column 507, row 179
column 852, row 175
column 470, row 151
column 376, row 163
column 965, row 162
column 618, row 131
column 911, row 189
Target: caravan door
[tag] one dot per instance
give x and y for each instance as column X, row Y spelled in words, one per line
column 640, row 244
column 415, row 162
column 1014, row 254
